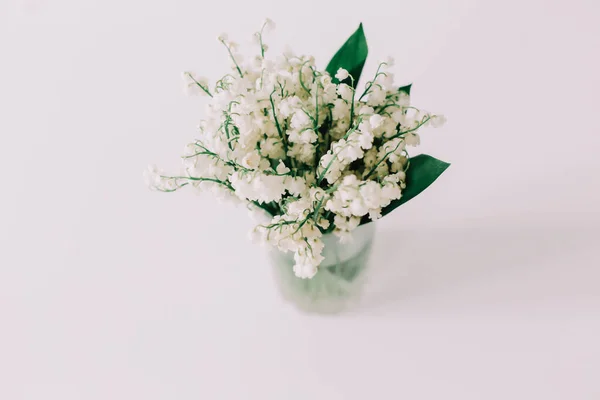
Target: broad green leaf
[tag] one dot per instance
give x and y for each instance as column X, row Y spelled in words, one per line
column 351, row 56
column 405, row 89
column 422, row 172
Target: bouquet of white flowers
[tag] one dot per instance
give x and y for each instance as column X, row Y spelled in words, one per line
column 306, row 147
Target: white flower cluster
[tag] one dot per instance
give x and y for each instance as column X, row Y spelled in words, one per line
column 317, row 156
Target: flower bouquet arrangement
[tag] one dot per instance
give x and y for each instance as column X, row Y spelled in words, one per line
column 316, row 155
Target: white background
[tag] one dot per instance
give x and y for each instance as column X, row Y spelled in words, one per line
column 485, row 287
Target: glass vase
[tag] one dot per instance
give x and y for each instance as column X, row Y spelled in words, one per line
column 339, row 282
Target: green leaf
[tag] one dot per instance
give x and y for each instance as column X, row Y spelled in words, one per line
column 422, row 172
column 351, row 56
column 405, row 89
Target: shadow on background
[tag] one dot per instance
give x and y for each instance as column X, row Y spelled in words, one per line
column 424, row 262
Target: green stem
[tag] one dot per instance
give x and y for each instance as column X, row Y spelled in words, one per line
column 300, row 77
column 322, row 174
column 191, row 178
column 382, row 160
column 204, row 89
column 352, row 105
column 410, row 130
column 281, row 134
column 370, row 83
column 233, row 59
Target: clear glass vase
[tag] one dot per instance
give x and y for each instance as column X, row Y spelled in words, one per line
column 339, row 282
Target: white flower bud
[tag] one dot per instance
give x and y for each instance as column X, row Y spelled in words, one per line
column 251, row 160
column 341, row 74
column 437, row 121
